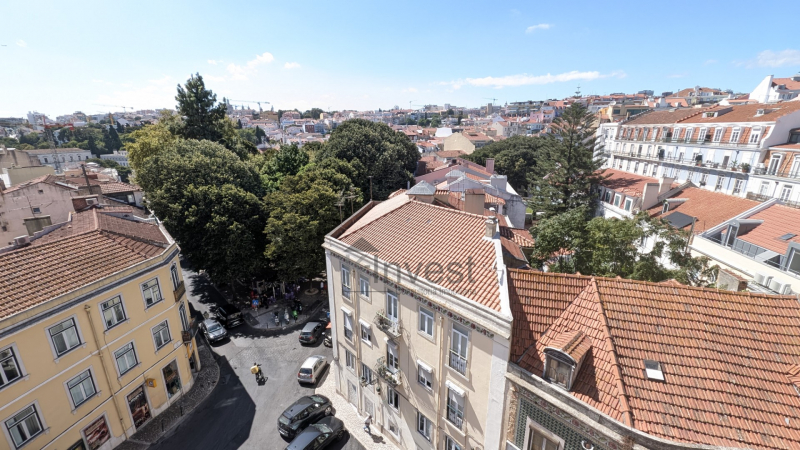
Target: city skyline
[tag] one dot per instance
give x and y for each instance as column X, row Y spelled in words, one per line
column 364, row 56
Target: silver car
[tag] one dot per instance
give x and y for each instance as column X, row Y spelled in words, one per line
column 312, row 369
column 213, row 330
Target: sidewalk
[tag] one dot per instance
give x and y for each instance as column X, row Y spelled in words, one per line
column 352, row 420
column 204, row 383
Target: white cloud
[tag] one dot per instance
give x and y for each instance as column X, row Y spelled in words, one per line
column 411, row 89
column 526, row 80
column 541, row 26
column 243, row 72
column 214, row 62
column 710, row 61
column 291, row 65
column 161, row 81
column 21, row 43
column 783, row 58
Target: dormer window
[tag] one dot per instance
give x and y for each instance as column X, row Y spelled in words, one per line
column 559, row 372
column 563, row 357
column 665, row 208
column 652, row 370
column 759, row 112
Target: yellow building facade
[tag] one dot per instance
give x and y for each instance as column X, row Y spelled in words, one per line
column 95, row 336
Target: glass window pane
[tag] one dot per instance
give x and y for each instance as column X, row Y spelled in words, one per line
column 10, row 371
column 32, row 424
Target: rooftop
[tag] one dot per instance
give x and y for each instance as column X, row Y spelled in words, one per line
column 626, row 183
column 709, row 208
column 778, row 221
column 91, row 246
column 726, row 357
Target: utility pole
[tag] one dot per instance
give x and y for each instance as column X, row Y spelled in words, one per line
column 370, row 188
column 86, row 177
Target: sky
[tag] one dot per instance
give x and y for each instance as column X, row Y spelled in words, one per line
column 91, row 56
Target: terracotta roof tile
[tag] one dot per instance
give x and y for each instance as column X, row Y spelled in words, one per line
column 778, row 221
column 521, row 236
column 626, row 183
column 710, row 208
column 746, row 113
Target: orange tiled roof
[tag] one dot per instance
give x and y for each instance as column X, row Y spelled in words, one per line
column 778, row 221
column 795, row 147
column 747, row 113
column 790, row 83
column 521, row 236
column 663, row 117
column 414, row 234
column 727, row 358
column 91, row 246
column 626, row 183
column 494, row 200
column 450, row 153
column 710, row 208
column 112, row 187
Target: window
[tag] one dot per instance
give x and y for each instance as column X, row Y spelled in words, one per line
column 173, row 273
column 459, row 343
column 704, row 178
column 665, row 208
column 720, row 180
column 737, row 188
column 151, row 292
column 628, row 166
column 450, row 444
column 161, row 334
column 366, row 374
column 391, row 357
column 424, row 426
column 646, row 131
column 81, row 388
column 755, row 135
column 113, row 312
column 172, row 379
column 363, row 287
column 617, row 199
column 689, row 132
column 764, row 188
column 350, row 360
column 619, row 165
column 455, row 407
column 655, row 169
column 426, row 321
column 36, row 210
column 346, row 282
column 392, row 307
column 786, row 192
column 392, row 398
column 636, row 167
column 9, row 367
column 735, row 134
column 644, row 168
column 348, row 326
column 366, row 332
column 424, row 375
column 676, row 134
column 718, row 134
column 607, row 197
column 774, row 164
column 24, row 426
column 701, row 136
column 628, row 204
column 559, row 372
column 539, row 438
column 126, row 358
column 64, row 336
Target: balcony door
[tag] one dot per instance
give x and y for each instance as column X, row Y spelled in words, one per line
column 795, row 170
column 774, row 164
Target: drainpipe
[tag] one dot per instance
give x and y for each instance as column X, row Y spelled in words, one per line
column 442, row 356
column 88, row 310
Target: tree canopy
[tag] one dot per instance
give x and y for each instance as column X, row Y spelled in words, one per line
column 514, row 157
column 202, row 115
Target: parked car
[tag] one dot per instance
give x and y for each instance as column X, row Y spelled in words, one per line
column 213, row 330
column 312, row 369
column 318, row 435
column 302, row 413
column 228, row 315
column 311, row 332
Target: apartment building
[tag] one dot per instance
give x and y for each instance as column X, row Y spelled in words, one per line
column 421, row 322
column 613, row 364
column 60, row 158
column 715, row 148
column 778, row 174
column 94, row 333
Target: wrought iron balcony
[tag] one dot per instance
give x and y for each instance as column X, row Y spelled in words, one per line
column 179, row 291
column 458, row 363
column 389, row 374
column 388, row 325
column 455, row 416
column 776, row 173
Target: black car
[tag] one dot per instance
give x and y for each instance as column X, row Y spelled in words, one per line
column 302, row 413
column 318, row 435
column 311, row 332
column 228, row 315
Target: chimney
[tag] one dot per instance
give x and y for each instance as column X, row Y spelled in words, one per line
column 499, row 182
column 490, row 227
column 474, row 201
column 490, row 165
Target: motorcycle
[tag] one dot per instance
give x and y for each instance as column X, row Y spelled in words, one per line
column 327, row 342
column 277, row 319
column 294, row 315
column 256, row 370
column 297, row 306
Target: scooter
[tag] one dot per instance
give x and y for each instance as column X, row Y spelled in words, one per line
column 294, row 315
column 327, row 342
column 277, row 319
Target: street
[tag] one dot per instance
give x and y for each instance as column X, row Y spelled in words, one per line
column 239, row 413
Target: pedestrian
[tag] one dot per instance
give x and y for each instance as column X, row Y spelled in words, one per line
column 367, row 423
column 322, row 287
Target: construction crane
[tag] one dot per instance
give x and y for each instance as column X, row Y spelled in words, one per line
column 492, row 99
column 124, row 108
column 251, row 101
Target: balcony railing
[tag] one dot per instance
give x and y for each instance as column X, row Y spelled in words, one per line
column 455, row 416
column 764, row 198
column 390, row 374
column 179, row 291
column 388, row 325
column 777, row 173
column 681, row 161
column 707, row 141
column 458, row 363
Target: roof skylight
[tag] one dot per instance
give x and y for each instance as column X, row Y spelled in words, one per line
column 652, row 370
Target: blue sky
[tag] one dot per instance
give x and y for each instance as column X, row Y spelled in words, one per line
column 64, row 56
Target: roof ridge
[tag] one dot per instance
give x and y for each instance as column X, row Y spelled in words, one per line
column 625, row 408
column 448, row 209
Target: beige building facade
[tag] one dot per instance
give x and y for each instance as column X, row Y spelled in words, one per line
column 95, row 334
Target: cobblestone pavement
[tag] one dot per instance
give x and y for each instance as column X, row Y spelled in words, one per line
column 352, row 420
column 205, row 382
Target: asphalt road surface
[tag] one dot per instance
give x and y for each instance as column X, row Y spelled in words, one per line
column 239, row 414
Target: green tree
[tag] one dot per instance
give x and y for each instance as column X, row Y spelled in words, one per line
column 120, row 128
column 113, row 142
column 514, row 157
column 239, row 123
column 151, row 139
column 261, row 136
column 567, row 168
column 436, row 122
column 313, row 113
column 450, row 112
column 388, row 156
column 91, row 145
column 202, row 115
column 289, row 160
column 460, row 118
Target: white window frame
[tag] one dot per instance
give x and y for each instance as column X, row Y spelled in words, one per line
column 350, row 360
column 392, row 357
column 174, row 276
column 675, row 134
column 424, row 426
column 655, row 169
column 347, row 323
column 718, row 132
column 455, row 405
column 39, row 417
column 425, row 375
column 755, row 135
column 701, row 135
column 617, row 199
column 91, row 378
column 786, row 192
column 102, row 311
column 426, row 319
column 459, row 348
column 735, row 135
column 628, row 204
column 132, row 345
column 451, row 444
column 689, row 132
column 531, row 426
column 367, row 374
column 346, row 288
column 392, row 306
column 363, row 288
column 365, row 332
column 392, row 398
column 160, row 334
column 80, row 343
column 738, row 186
column 720, row 182
column 15, row 357
column 144, row 287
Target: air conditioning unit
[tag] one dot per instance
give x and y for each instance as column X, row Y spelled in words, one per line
column 22, row 240
column 91, row 201
column 759, row 278
column 777, row 286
